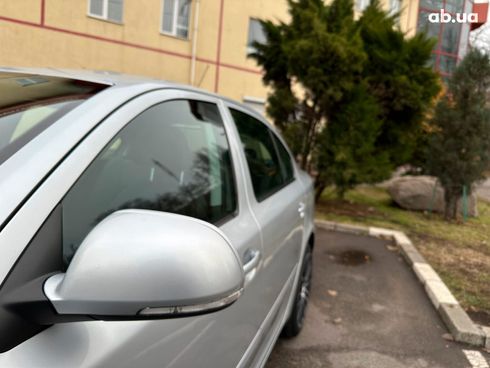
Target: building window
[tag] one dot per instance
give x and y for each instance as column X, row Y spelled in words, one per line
column 447, row 64
column 255, row 34
column 362, row 4
column 111, row 10
column 395, row 7
column 454, row 6
column 175, row 17
column 450, row 36
column 432, row 30
column 431, row 4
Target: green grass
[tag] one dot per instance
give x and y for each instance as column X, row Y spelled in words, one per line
column 459, row 252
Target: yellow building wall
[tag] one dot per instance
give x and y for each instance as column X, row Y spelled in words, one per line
column 409, row 17
column 27, row 10
column 235, row 30
column 69, row 38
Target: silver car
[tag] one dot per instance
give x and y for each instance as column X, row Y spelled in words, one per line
column 145, row 224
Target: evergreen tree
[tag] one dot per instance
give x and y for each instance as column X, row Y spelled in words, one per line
column 347, row 120
column 309, row 67
column 347, row 153
column 459, row 148
column 400, row 78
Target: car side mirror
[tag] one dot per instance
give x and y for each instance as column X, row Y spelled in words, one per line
column 140, row 264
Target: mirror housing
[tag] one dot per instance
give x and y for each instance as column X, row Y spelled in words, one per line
column 140, row 264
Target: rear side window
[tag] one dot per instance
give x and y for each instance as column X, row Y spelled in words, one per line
column 29, row 104
column 174, row 157
column 285, row 160
column 267, row 172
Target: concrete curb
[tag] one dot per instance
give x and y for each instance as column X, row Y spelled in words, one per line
column 486, row 331
column 457, row 321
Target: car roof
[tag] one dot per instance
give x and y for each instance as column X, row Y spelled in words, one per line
column 117, row 79
column 94, row 76
column 105, row 77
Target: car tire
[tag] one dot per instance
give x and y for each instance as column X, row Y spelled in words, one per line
column 296, row 320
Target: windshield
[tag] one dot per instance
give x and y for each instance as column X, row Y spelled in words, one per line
column 31, row 103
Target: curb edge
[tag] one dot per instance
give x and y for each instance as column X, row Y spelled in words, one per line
column 460, row 325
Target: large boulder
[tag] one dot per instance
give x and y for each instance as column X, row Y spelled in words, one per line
column 417, row 193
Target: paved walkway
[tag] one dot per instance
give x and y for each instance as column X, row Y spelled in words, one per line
column 367, row 310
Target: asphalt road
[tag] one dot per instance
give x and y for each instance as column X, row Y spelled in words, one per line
column 367, row 310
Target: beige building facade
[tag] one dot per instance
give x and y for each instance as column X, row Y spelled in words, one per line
column 198, row 42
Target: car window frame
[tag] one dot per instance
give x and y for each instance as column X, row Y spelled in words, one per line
column 223, row 220
column 229, row 105
column 50, row 193
column 51, row 225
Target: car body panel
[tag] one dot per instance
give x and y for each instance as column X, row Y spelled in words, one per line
column 26, row 168
column 36, row 179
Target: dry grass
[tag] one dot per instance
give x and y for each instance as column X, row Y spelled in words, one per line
column 459, row 252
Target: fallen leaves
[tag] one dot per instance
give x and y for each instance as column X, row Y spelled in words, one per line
column 333, row 293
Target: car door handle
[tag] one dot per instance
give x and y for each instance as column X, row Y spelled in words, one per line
column 252, row 261
column 301, row 209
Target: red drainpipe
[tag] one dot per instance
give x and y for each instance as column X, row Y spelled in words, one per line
column 43, row 7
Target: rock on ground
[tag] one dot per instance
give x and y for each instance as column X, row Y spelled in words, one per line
column 417, row 193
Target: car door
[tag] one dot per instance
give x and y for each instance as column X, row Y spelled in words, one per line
column 169, row 151
column 277, row 203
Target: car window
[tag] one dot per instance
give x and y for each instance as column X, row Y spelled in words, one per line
column 285, row 160
column 174, row 157
column 261, row 155
column 29, row 104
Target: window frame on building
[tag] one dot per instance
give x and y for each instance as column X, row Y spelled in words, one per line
column 395, row 7
column 250, row 40
column 175, row 19
column 361, row 5
column 105, row 12
column 439, row 54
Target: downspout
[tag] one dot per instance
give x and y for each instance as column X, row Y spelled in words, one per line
column 218, row 48
column 194, row 43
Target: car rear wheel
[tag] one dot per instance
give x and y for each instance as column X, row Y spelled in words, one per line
column 296, row 319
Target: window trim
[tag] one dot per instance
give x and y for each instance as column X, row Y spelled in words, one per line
column 105, row 13
column 250, row 48
column 173, row 33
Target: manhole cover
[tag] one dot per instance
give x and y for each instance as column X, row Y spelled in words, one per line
column 353, row 258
